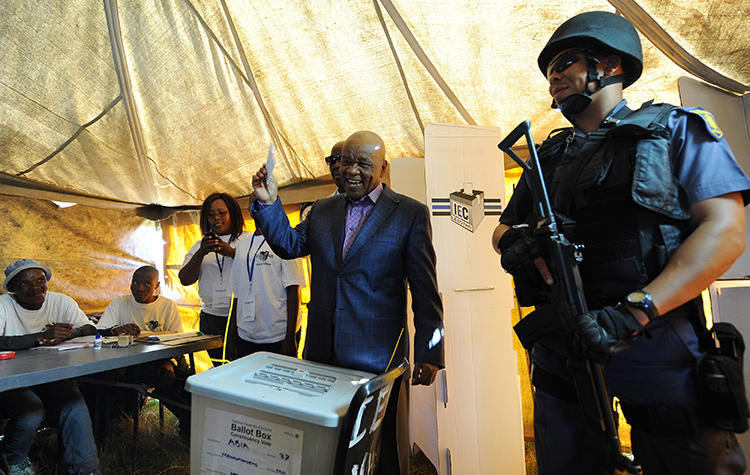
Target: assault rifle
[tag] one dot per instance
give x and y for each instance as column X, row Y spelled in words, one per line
column 563, row 259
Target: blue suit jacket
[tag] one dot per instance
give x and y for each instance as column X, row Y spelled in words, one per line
column 358, row 303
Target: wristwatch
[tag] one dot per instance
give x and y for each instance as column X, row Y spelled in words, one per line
column 642, row 300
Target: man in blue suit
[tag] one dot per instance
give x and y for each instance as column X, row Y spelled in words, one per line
column 364, row 247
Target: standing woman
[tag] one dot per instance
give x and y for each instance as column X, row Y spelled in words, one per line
column 209, row 262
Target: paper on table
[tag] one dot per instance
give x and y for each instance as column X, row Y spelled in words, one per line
column 90, row 339
column 63, row 347
column 270, row 163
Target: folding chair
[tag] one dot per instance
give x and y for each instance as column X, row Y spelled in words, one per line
column 359, row 441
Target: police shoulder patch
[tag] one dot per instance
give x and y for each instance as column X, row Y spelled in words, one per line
column 708, row 119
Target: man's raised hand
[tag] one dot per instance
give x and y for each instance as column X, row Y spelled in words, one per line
column 265, row 186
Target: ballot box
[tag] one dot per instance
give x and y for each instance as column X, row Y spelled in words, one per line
column 269, row 413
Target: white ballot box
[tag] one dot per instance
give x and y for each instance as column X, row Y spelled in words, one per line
column 268, row 413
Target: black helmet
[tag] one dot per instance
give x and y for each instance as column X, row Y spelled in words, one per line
column 607, row 30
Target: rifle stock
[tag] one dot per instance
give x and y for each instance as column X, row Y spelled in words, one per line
column 563, row 259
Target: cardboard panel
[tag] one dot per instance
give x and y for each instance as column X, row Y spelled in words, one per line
column 481, row 425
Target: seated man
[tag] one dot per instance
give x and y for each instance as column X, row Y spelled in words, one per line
column 31, row 316
column 139, row 311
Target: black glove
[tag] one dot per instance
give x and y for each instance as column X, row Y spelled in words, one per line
column 600, row 334
column 518, row 249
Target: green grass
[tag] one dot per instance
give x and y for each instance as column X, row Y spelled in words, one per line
column 157, row 451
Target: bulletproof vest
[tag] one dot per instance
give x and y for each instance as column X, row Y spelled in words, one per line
column 620, row 189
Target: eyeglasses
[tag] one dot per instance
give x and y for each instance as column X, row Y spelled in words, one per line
column 331, row 161
column 564, row 61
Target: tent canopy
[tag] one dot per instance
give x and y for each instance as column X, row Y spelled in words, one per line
column 164, row 102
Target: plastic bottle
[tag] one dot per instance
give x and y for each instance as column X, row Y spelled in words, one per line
column 98, row 342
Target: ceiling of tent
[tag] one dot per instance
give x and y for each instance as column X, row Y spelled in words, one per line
column 164, row 102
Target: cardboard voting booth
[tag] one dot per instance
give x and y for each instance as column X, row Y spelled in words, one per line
column 268, row 413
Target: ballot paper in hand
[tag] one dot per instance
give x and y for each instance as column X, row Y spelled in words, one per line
column 270, row 163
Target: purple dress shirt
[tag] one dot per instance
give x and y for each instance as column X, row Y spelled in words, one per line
column 356, row 215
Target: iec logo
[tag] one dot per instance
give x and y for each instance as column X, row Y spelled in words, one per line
column 467, row 207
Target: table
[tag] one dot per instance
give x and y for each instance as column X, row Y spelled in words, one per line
column 32, row 367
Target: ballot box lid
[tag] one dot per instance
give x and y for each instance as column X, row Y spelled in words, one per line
column 303, row 390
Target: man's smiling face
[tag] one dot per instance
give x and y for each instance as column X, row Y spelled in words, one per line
column 362, row 167
column 567, row 74
column 30, row 288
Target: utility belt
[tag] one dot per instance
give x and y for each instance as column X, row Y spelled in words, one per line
column 545, row 320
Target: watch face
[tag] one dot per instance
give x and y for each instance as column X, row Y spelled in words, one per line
column 636, row 297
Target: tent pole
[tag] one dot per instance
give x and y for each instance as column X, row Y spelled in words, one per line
column 398, row 65
column 121, row 67
column 667, row 45
column 422, row 56
column 258, row 96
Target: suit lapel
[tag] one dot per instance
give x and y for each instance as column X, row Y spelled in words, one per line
column 338, row 222
column 383, row 209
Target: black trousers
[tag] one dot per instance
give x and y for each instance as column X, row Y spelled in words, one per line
column 216, row 325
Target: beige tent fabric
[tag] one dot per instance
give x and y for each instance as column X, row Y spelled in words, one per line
column 204, row 86
column 92, row 252
column 180, row 232
column 716, row 33
column 679, row 55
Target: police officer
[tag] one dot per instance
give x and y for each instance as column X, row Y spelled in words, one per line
column 656, row 197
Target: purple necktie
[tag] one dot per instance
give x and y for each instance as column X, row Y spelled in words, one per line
column 356, row 214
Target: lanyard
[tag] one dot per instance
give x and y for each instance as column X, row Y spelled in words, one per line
column 251, row 267
column 219, row 263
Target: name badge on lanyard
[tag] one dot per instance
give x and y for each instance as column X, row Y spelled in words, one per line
column 248, row 302
column 221, row 293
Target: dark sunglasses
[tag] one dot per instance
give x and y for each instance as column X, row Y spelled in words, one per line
column 564, row 61
column 333, row 159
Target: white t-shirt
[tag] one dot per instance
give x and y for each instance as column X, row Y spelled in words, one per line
column 214, row 278
column 6, row 310
column 161, row 315
column 261, row 303
column 57, row 308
